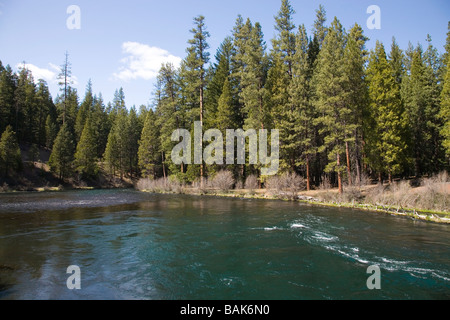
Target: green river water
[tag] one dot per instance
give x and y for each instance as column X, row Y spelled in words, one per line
column 132, row 245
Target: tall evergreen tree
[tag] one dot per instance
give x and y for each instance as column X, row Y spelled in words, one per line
column 331, row 100
column 195, row 66
column 85, row 162
column 284, row 42
column 420, row 95
column 10, row 156
column 221, row 71
column 84, row 110
column 385, row 140
column 171, row 113
column 252, row 79
column 65, row 81
column 25, row 102
column 8, row 83
column 355, row 57
column 297, row 123
column 61, row 158
column 132, row 136
column 101, row 124
column 116, row 147
column 444, row 113
column 149, row 153
column 45, row 107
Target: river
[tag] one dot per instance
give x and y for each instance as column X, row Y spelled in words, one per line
column 132, row 245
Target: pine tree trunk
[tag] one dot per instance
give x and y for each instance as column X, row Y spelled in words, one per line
column 349, row 172
column 163, row 165
column 308, row 182
column 338, row 162
column 357, row 160
column 201, row 121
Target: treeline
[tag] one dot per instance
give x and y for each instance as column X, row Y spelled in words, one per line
column 343, row 113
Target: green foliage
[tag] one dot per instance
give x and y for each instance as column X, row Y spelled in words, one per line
column 445, row 108
column 7, row 90
column 386, row 146
column 10, row 156
column 150, row 147
column 331, row 99
column 84, row 111
column 338, row 111
column 61, row 158
column 86, row 153
column 116, row 147
column 421, row 95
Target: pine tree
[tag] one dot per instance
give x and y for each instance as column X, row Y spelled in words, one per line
column 61, row 158
column 171, row 113
column 315, row 45
column 331, row 100
column 86, row 153
column 284, row 42
column 101, row 124
column 84, row 111
column 320, row 30
column 116, row 152
column 10, row 156
column 444, row 113
column 220, row 72
column 421, row 103
column 149, row 153
column 195, row 70
column 25, row 102
column 7, row 106
column 45, row 108
column 355, row 57
column 132, row 136
column 64, row 80
column 252, row 79
column 385, row 139
column 298, row 121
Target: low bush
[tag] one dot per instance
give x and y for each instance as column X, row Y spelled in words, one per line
column 251, row 182
column 223, row 180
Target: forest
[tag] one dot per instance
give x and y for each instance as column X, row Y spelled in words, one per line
column 343, row 113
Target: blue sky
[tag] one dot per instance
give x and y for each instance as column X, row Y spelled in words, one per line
column 122, row 43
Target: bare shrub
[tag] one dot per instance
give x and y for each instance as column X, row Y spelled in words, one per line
column 435, row 195
column 4, row 187
column 325, row 183
column 288, row 184
column 273, row 183
column 239, row 185
column 159, row 185
column 376, row 195
column 251, row 182
column 223, row 181
column 292, row 183
column 351, row 194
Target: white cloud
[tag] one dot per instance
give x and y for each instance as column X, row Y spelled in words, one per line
column 39, row 73
column 143, row 61
column 50, row 75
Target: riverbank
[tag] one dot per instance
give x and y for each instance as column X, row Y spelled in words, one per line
column 37, row 177
column 365, row 198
